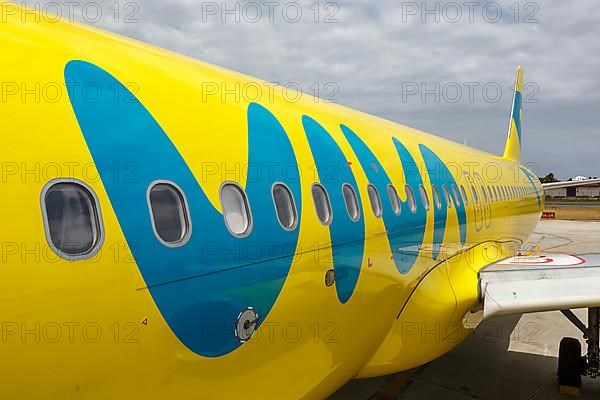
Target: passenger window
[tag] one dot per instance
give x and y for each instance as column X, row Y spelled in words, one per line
column 464, row 195
column 72, row 220
column 375, row 200
column 394, row 201
column 322, row 204
column 169, row 213
column 351, row 202
column 456, row 195
column 485, row 196
column 424, row 197
column 410, row 198
column 475, row 196
column 284, row 206
column 436, row 197
column 447, row 196
column 236, row 210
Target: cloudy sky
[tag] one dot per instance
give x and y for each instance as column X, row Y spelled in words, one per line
column 443, row 67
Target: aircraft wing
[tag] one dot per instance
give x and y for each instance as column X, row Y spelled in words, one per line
column 559, row 185
column 541, row 282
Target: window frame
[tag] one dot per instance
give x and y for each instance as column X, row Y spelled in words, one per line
column 99, row 222
column 447, row 196
column 370, row 187
column 396, row 205
column 456, row 195
column 187, row 217
column 250, row 227
column 319, row 185
column 424, row 198
column 435, row 194
column 358, row 210
column 463, row 194
column 293, row 203
column 475, row 194
column 411, row 199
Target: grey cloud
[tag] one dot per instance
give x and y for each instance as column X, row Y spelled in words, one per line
column 375, row 50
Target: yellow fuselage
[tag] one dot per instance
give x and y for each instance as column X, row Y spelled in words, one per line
column 111, row 326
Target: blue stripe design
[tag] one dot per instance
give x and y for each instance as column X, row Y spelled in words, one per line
column 398, row 228
column 532, row 179
column 516, row 114
column 201, row 287
column 347, row 237
column 440, row 175
column 411, row 239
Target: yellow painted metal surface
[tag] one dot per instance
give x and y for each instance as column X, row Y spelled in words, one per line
column 90, row 329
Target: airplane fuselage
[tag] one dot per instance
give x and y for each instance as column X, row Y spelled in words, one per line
column 308, row 245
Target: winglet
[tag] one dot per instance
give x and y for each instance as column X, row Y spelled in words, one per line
column 513, row 143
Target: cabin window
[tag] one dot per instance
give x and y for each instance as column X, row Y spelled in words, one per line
column 236, row 210
column 464, row 195
column 410, row 198
column 475, row 196
column 456, row 195
column 169, row 214
column 394, row 200
column 351, row 202
column 436, row 197
column 485, row 196
column 424, row 197
column 72, row 220
column 322, row 204
column 447, row 196
column 375, row 200
column 285, row 206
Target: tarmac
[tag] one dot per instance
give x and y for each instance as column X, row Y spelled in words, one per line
column 507, row 358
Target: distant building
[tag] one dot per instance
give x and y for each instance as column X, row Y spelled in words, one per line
column 579, row 187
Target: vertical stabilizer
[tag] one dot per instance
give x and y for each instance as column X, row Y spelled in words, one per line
column 513, row 143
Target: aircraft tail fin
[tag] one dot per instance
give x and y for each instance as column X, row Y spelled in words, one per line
column 512, row 150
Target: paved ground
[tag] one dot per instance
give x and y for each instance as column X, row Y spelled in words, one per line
column 508, row 358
